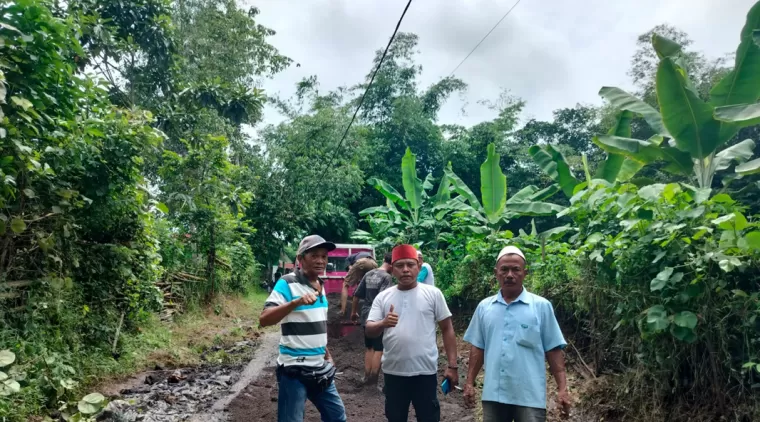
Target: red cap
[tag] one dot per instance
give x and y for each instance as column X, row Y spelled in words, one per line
column 403, row 252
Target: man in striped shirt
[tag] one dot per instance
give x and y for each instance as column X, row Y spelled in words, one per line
column 305, row 366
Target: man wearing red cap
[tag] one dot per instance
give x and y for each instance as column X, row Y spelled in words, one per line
column 406, row 316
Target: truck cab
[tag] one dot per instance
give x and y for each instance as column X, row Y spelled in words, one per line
column 337, row 264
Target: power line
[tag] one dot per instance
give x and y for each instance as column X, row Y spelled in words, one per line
column 484, row 38
column 372, row 79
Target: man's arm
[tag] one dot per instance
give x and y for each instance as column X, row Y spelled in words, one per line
column 449, row 340
column 557, row 367
column 450, row 345
column 477, row 356
column 354, row 305
column 374, row 328
column 553, row 342
column 328, row 356
column 376, row 323
column 360, row 293
column 274, row 314
column 475, row 336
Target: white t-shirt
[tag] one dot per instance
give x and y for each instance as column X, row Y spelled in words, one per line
column 410, row 348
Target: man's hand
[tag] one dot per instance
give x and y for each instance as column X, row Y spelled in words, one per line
column 390, row 320
column 355, row 317
column 564, row 402
column 307, row 299
column 470, row 396
column 453, row 376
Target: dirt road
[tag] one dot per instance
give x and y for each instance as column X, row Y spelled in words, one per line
column 258, row 402
column 248, row 393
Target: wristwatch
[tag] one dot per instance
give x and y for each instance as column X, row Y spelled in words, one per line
column 453, row 367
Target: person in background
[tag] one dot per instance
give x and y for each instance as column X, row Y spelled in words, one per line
column 270, row 285
column 426, row 272
column 374, row 282
column 359, row 264
column 512, row 332
column 304, row 366
column 406, row 316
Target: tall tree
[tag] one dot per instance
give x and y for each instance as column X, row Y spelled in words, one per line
column 704, row 72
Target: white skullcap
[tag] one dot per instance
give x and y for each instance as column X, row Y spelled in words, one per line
column 511, row 250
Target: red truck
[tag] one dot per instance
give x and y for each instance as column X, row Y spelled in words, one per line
column 336, row 266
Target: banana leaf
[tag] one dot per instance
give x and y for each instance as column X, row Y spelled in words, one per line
column 389, row 192
column 493, row 186
column 412, row 185
column 688, row 119
column 555, row 166
column 742, row 84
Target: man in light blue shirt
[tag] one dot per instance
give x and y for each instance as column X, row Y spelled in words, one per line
column 426, row 272
column 512, row 332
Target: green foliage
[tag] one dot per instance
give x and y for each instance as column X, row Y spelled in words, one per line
column 696, row 126
column 668, row 261
column 400, row 221
column 85, row 241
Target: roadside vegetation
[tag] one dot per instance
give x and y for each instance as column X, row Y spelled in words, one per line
column 139, row 211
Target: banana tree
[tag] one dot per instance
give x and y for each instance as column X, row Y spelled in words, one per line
column 695, row 129
column 416, row 216
column 495, row 210
column 408, row 217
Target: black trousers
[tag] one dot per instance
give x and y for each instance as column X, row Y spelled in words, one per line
column 420, row 390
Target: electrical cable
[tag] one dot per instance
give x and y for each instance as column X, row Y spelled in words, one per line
column 372, row 79
column 484, row 38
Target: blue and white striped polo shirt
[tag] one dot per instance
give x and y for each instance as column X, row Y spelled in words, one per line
column 304, row 331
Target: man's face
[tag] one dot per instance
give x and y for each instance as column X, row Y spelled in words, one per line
column 510, row 271
column 314, row 261
column 405, row 271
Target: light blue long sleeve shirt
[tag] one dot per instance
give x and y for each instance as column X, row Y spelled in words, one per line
column 515, row 338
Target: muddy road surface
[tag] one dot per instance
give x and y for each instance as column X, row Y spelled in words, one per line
column 248, row 392
column 258, row 401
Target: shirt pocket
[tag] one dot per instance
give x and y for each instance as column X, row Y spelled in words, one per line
column 528, row 336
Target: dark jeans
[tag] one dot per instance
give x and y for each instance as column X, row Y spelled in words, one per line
column 500, row 412
column 420, row 390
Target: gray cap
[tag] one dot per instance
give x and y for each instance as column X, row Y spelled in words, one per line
column 314, row 241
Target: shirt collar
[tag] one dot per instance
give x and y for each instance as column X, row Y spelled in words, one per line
column 301, row 278
column 525, row 297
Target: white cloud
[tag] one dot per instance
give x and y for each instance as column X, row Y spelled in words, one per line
column 552, row 53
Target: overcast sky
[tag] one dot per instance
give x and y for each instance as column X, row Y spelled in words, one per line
column 552, row 53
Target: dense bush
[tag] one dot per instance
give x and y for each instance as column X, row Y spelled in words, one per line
column 84, row 242
column 659, row 284
column 678, row 270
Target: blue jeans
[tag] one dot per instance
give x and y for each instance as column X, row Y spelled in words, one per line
column 292, row 400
